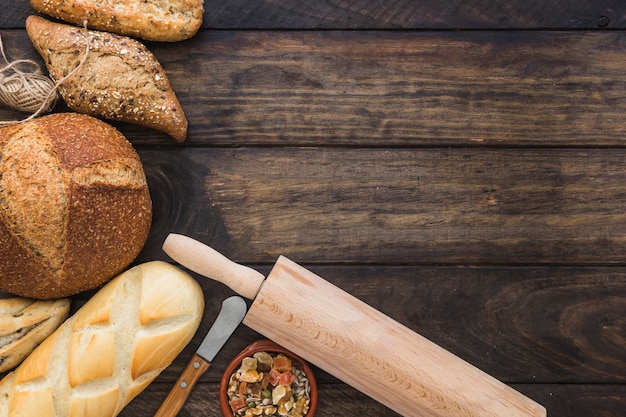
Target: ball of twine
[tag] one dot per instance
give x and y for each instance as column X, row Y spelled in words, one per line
column 24, row 88
column 26, row 92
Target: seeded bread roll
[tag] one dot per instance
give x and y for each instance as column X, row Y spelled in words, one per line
column 163, row 20
column 24, row 324
column 111, row 349
column 119, row 79
column 75, row 209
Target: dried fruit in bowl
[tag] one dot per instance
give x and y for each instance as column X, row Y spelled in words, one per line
column 269, row 384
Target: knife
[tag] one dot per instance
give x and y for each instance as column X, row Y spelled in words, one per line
column 230, row 316
column 342, row 335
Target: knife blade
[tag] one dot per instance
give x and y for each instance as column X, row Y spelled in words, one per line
column 414, row 377
column 230, row 316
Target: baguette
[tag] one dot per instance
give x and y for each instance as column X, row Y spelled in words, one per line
column 164, row 20
column 111, row 349
column 24, row 324
column 108, row 76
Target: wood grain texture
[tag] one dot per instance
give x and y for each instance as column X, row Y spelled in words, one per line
column 402, row 89
column 14, row 13
column 393, row 89
column 368, row 350
column 545, row 325
column 338, row 399
column 427, row 206
column 457, row 165
column 183, row 387
column 398, row 14
column 421, row 14
column 335, row 399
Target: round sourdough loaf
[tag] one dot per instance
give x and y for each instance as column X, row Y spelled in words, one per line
column 75, row 209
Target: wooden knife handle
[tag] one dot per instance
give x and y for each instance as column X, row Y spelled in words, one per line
column 181, row 390
column 206, row 261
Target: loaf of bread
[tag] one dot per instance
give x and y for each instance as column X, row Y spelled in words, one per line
column 163, row 20
column 24, row 324
column 109, row 350
column 75, row 209
column 116, row 77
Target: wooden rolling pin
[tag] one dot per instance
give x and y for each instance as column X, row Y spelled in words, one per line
column 355, row 342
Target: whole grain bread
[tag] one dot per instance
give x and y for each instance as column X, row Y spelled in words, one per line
column 24, row 324
column 117, row 78
column 162, row 20
column 111, row 349
column 75, row 208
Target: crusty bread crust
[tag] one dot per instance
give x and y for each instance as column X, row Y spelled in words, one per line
column 75, row 208
column 119, row 79
column 24, row 324
column 109, row 350
column 162, row 20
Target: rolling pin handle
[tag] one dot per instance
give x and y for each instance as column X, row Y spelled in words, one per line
column 206, row 261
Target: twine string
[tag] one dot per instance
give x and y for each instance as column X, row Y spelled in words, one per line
column 31, row 91
column 25, row 90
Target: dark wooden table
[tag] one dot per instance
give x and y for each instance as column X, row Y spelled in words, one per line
column 458, row 165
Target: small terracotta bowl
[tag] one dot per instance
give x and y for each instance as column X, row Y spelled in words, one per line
column 268, row 346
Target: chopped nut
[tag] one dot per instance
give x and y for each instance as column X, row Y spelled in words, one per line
column 267, row 392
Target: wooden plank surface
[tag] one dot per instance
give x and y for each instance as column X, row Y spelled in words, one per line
column 405, row 89
column 450, row 206
column 541, row 325
column 420, row 14
column 378, row 89
column 551, row 332
column 458, row 166
column 340, row 400
column 398, row 14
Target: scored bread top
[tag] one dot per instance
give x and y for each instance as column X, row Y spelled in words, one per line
column 25, row 324
column 75, row 207
column 115, row 77
column 157, row 20
column 109, row 350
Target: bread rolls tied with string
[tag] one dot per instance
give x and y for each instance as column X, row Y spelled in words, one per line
column 109, row 76
column 111, row 349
